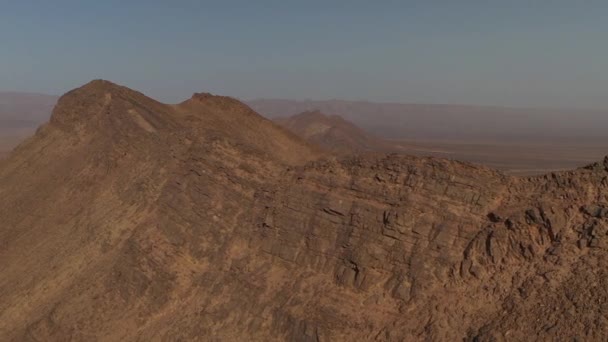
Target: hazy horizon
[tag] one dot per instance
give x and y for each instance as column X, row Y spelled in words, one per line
column 327, row 100
column 516, row 54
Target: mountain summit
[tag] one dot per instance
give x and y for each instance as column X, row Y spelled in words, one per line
column 127, row 219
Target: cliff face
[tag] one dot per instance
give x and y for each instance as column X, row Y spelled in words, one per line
column 128, row 219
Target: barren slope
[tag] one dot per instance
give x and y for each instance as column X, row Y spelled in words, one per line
column 445, row 122
column 128, row 219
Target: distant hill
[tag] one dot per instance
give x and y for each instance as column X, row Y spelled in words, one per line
column 334, row 133
column 453, row 123
column 508, row 149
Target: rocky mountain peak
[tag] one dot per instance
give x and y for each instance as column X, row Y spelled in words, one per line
column 205, row 220
column 101, row 104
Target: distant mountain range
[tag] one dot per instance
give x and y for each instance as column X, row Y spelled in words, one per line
column 516, row 140
column 453, row 123
column 394, row 121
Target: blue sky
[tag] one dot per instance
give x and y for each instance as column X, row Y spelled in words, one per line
column 514, row 53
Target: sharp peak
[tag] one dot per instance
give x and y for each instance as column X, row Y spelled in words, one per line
column 100, row 88
column 101, row 84
column 100, row 81
column 203, row 96
column 88, row 100
column 209, row 99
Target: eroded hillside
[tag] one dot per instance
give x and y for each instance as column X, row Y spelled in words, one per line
column 128, row 219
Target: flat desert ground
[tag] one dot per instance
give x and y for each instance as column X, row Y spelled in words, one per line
column 513, row 158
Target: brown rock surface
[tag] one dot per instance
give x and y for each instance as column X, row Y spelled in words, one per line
column 128, row 219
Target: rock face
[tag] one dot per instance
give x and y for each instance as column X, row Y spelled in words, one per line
column 128, row 219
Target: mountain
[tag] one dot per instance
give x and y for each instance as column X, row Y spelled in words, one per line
column 334, row 133
column 520, row 141
column 127, row 219
column 453, row 123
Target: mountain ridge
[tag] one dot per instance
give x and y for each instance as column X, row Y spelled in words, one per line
column 138, row 220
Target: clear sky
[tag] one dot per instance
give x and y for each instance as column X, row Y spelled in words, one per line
column 519, row 53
